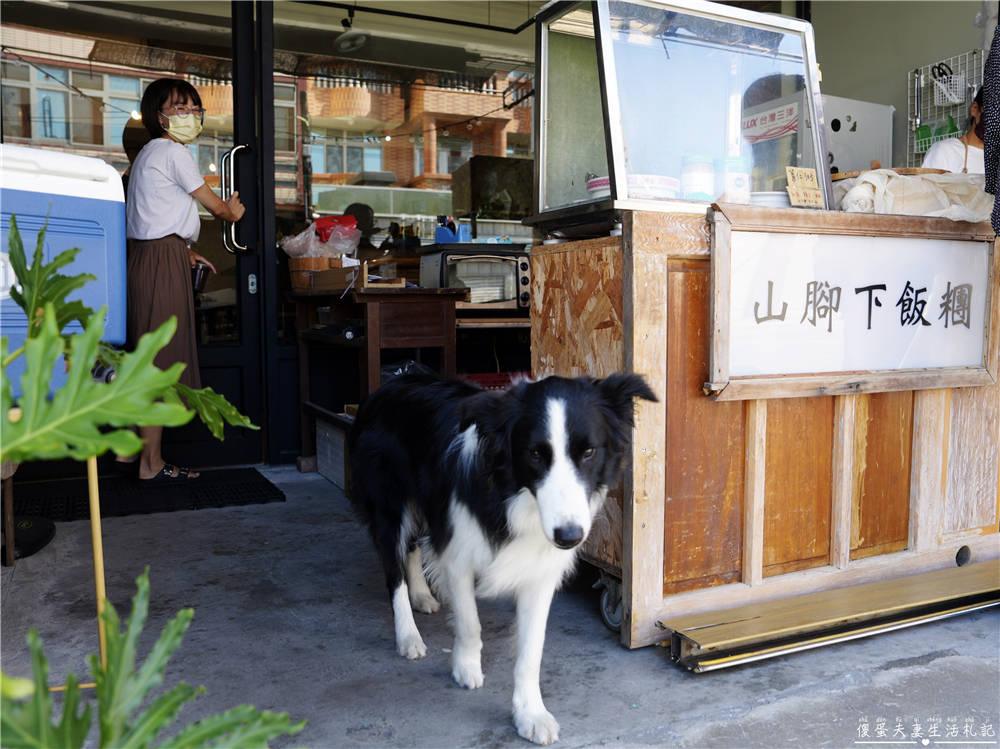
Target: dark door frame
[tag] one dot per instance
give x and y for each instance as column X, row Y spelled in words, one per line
column 268, row 282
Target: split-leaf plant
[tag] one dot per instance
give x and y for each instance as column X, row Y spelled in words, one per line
column 72, row 421
column 121, row 692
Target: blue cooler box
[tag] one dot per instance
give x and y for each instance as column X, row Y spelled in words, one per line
column 83, row 200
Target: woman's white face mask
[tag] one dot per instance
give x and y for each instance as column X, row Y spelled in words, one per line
column 184, row 129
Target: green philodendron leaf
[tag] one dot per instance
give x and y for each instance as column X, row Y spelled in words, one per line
column 212, row 408
column 161, row 713
column 114, row 681
column 15, row 688
column 41, row 284
column 69, row 424
column 72, row 729
column 26, row 725
column 256, row 734
column 200, row 733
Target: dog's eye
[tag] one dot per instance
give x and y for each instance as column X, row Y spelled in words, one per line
column 588, row 453
column 536, row 455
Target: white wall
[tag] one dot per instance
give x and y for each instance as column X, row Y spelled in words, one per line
column 865, row 49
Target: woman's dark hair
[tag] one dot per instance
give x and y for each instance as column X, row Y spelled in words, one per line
column 979, row 97
column 155, row 97
column 365, row 215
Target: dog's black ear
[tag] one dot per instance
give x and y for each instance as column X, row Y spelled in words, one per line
column 618, row 392
column 492, row 414
column 622, row 387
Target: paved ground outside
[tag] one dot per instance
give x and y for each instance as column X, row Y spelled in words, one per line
column 291, row 614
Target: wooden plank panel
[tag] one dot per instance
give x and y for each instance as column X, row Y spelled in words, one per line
column 851, row 383
column 753, row 493
column 927, row 474
column 798, row 484
column 758, row 622
column 845, row 408
column 873, row 569
column 576, row 309
column 755, row 218
column 677, row 235
column 971, row 495
column 644, row 306
column 882, row 448
column 703, row 522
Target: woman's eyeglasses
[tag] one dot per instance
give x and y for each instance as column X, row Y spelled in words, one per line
column 183, row 111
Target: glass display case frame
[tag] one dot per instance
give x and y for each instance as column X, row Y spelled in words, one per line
column 591, row 214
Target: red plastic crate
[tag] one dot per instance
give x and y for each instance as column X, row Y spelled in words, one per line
column 494, row 380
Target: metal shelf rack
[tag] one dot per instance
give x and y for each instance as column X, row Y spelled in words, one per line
column 932, row 98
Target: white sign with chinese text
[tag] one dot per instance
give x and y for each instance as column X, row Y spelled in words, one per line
column 771, row 124
column 810, row 303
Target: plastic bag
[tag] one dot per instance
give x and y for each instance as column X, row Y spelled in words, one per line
column 960, row 197
column 342, row 239
column 303, row 244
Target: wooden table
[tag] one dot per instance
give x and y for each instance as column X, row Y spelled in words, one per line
column 393, row 318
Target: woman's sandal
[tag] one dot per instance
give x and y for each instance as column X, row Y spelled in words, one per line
column 130, row 468
column 166, row 476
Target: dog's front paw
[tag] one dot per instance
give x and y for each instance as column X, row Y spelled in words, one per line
column 424, row 602
column 411, row 647
column 538, row 726
column 468, row 672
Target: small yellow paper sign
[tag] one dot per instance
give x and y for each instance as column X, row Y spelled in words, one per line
column 803, row 190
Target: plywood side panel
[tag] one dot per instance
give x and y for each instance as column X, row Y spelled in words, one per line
column 973, row 459
column 882, row 462
column 798, row 484
column 576, row 328
column 576, row 309
column 703, row 516
column 603, row 546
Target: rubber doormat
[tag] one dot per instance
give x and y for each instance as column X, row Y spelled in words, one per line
column 68, row 499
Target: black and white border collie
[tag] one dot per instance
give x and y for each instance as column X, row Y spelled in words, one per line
column 476, row 492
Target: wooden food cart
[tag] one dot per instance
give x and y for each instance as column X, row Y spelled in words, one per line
column 784, row 485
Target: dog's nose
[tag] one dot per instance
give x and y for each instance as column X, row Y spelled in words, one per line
column 567, row 536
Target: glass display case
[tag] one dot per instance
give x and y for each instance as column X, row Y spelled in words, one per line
column 670, row 106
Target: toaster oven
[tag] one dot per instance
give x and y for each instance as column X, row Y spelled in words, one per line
column 498, row 277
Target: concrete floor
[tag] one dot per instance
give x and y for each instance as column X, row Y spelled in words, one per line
column 291, row 614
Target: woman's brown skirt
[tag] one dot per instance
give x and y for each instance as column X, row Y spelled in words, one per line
column 159, row 286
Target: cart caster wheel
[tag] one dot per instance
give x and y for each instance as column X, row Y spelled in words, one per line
column 611, row 610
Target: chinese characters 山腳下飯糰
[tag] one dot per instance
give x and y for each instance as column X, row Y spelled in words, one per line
column 912, row 306
column 822, row 300
column 957, row 305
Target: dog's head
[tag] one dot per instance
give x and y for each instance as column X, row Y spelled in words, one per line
column 563, row 440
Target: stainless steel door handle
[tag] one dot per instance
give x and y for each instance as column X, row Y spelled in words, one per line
column 227, row 177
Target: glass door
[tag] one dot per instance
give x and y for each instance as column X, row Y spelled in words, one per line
column 72, row 79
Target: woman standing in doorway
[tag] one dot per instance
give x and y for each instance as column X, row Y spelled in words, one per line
column 962, row 155
column 164, row 190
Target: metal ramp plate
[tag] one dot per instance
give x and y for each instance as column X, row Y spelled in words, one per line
column 719, row 639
